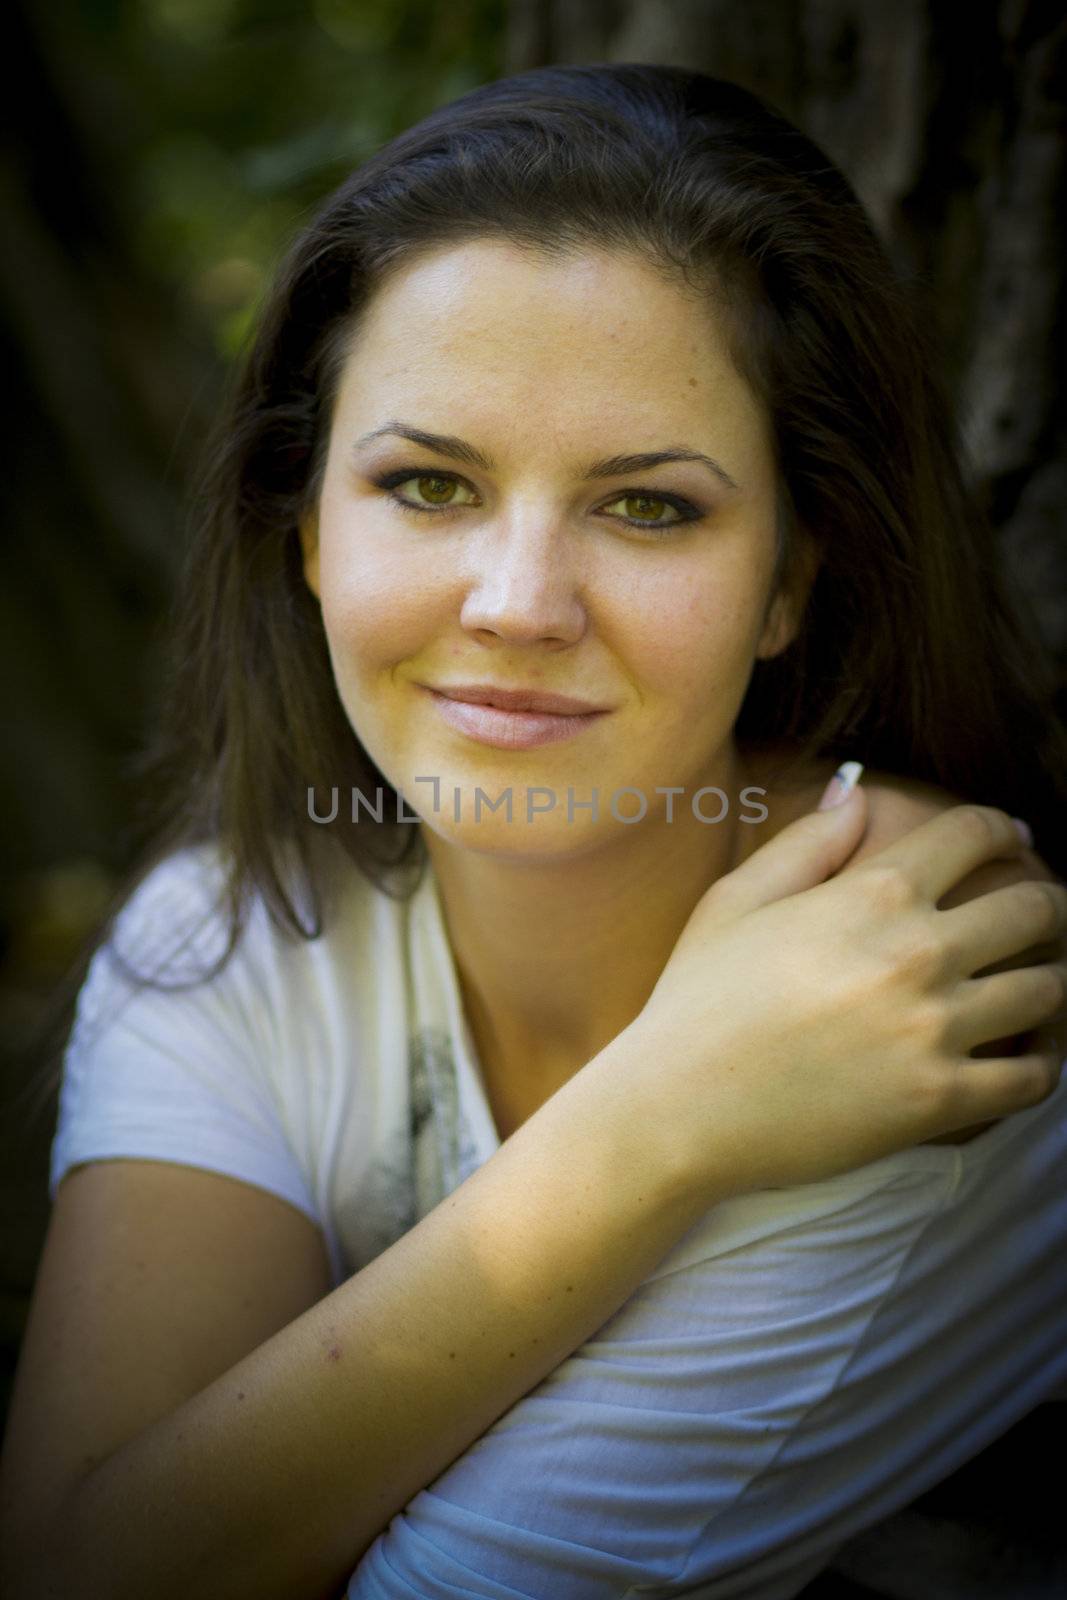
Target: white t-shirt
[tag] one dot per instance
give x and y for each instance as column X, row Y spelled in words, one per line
column 803, row 1363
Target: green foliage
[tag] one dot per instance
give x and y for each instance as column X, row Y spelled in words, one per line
column 229, row 120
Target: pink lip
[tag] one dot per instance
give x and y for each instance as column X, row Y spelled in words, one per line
column 484, row 694
column 510, row 730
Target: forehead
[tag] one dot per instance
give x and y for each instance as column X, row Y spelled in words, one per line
column 477, row 274
column 589, row 336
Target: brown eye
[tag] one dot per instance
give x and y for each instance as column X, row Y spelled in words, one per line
column 646, row 511
column 649, row 507
column 434, row 491
column 432, row 488
column 437, row 491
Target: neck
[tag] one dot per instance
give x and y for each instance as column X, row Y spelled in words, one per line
column 556, row 957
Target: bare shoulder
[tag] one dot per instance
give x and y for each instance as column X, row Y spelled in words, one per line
column 896, row 805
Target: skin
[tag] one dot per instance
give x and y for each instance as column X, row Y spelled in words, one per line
column 559, row 927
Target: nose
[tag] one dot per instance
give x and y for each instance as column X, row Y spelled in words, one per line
column 524, row 585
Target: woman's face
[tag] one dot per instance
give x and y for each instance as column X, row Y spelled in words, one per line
column 638, row 588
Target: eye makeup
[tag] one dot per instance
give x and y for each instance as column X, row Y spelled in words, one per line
column 390, row 481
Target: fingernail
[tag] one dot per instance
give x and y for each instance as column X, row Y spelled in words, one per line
column 1024, row 832
column 841, row 785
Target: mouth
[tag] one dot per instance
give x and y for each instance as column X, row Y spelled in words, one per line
column 506, row 729
column 487, row 694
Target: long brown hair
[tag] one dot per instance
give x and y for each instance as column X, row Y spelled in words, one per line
column 913, row 656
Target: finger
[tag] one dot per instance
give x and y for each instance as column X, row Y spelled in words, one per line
column 803, row 854
column 938, row 853
column 1003, row 922
column 984, row 1091
column 1008, row 1003
column 1050, row 1039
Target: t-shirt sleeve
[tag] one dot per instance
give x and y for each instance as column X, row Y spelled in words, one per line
column 183, row 1072
column 804, row 1363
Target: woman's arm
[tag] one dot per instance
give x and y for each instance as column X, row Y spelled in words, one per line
column 786, row 1377
column 804, row 1364
column 273, row 1480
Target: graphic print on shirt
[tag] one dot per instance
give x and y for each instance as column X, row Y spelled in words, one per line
column 424, row 1159
column 443, row 1152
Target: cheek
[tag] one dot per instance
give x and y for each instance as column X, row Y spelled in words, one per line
column 376, row 607
column 693, row 636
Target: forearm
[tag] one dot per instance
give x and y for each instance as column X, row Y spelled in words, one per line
column 274, row 1480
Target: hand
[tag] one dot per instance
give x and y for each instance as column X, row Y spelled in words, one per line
column 806, row 1024
column 895, row 806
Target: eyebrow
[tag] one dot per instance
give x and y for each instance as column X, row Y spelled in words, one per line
column 447, row 444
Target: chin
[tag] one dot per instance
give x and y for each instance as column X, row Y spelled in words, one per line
column 544, row 839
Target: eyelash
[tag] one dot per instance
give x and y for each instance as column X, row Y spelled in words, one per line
column 392, row 480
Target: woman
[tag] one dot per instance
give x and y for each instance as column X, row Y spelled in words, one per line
column 657, row 1095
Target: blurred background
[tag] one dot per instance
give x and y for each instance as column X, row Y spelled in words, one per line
column 158, row 156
